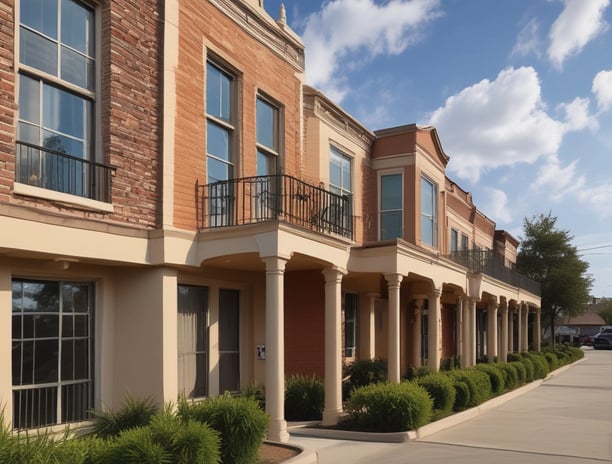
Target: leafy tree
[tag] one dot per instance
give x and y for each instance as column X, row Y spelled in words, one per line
column 547, row 256
column 606, row 311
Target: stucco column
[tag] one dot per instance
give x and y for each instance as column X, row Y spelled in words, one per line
column 525, row 328
column 393, row 356
column 367, row 329
column 465, row 337
column 434, row 321
column 333, row 346
column 511, row 329
column 416, row 332
column 503, row 350
column 6, row 387
column 459, row 327
column 537, row 330
column 472, row 339
column 275, row 348
column 492, row 330
column 519, row 327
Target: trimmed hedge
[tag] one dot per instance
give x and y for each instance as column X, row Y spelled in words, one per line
column 496, row 377
column 387, row 407
column 540, row 365
column 239, row 420
column 462, row 395
column 478, row 384
column 304, row 398
column 361, row 373
column 521, row 371
column 441, row 389
column 511, row 380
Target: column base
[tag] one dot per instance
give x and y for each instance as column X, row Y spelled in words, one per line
column 278, row 431
column 331, row 418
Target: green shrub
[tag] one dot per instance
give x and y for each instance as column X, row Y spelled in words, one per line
column 521, row 371
column 240, row 422
column 478, row 384
column 133, row 413
column 304, row 398
column 462, row 394
column 448, row 364
column 495, row 376
column 418, row 371
column 552, row 360
column 529, row 369
column 540, row 365
column 135, row 446
column 511, row 380
column 387, row 407
column 255, row 391
column 441, row 389
column 363, row 372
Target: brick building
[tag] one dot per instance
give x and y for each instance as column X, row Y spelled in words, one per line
column 181, row 215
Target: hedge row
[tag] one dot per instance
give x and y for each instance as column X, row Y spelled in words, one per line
column 223, row 429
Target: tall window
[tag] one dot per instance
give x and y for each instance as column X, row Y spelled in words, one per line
column 465, row 242
column 454, row 240
column 267, row 158
column 351, row 303
column 219, row 133
column 429, row 213
column 229, row 340
column 340, row 172
column 56, row 95
column 391, row 217
column 193, row 341
column 52, row 352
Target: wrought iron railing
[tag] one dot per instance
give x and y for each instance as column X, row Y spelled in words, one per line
column 280, row 197
column 55, row 170
column 494, row 265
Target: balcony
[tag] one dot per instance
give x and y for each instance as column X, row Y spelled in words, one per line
column 55, row 170
column 259, row 199
column 494, row 265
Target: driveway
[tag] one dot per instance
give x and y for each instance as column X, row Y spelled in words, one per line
column 567, row 419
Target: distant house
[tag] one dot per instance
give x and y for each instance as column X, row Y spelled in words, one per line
column 587, row 323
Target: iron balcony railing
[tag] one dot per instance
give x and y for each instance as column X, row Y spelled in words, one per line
column 279, row 197
column 494, row 265
column 55, row 170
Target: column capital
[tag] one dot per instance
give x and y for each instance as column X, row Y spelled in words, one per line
column 333, row 274
column 393, row 280
column 436, row 292
column 275, row 263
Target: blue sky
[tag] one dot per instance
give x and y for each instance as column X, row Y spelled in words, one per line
column 520, row 92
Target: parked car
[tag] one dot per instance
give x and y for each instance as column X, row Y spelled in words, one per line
column 586, row 340
column 603, row 340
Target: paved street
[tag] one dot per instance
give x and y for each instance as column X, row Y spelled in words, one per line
column 568, row 419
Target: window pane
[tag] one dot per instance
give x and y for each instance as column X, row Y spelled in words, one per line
column 29, row 100
column 81, row 359
column 391, row 191
column 77, row 69
column 63, row 144
column 427, row 197
column 266, row 164
column 228, row 320
column 81, row 328
column 17, row 295
column 391, row 225
column 217, row 141
column 266, row 122
column 45, row 360
column 27, row 363
column 192, row 326
column 40, row 15
column 335, row 171
column 229, row 372
column 64, row 112
column 427, row 230
column 200, row 387
column 37, row 51
column 218, row 85
column 78, row 27
column 16, row 360
column 346, row 174
column 28, row 326
column 75, row 298
column 217, row 171
column 67, row 359
column 41, row 296
column 46, row 326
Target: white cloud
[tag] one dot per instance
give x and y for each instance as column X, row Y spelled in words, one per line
column 497, row 123
column 495, row 205
column 579, row 23
column 345, row 34
column 602, row 89
column 557, row 181
column 597, row 198
column 577, row 115
column 528, row 41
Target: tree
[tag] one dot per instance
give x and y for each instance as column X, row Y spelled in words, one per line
column 606, row 311
column 547, row 256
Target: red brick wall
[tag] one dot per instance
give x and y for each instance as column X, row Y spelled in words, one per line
column 305, row 323
column 129, row 106
column 7, row 99
column 204, row 29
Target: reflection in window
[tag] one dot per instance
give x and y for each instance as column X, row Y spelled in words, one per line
column 391, row 217
column 429, row 213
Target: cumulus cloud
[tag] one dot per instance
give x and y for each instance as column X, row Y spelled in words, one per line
column 495, row 205
column 602, row 89
column 345, row 34
column 528, row 41
column 557, row 181
column 497, row 123
column 597, row 198
column 579, row 23
column 577, row 116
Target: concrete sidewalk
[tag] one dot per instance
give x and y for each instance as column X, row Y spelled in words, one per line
column 537, row 418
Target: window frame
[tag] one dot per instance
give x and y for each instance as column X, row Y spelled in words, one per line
column 429, row 219
column 454, row 240
column 61, row 386
column 381, row 212
column 340, row 154
column 270, row 152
